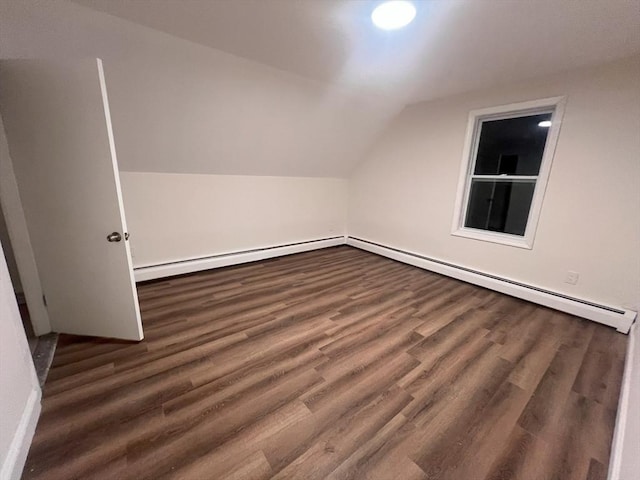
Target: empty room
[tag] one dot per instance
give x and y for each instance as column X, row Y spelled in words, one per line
column 320, row 239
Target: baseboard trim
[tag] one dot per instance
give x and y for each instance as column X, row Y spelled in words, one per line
column 180, row 267
column 19, row 448
column 622, row 418
column 618, row 318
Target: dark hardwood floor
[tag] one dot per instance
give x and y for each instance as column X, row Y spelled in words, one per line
column 333, row 364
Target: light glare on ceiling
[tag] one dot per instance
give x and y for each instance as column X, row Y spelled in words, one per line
column 393, row 14
column 545, row 123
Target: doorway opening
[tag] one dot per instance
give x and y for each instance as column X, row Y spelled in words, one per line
column 42, row 347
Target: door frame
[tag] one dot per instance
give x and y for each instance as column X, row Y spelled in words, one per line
column 11, row 208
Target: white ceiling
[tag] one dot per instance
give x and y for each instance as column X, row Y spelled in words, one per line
column 186, row 108
column 451, row 47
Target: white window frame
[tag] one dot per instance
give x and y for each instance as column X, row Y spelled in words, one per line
column 554, row 105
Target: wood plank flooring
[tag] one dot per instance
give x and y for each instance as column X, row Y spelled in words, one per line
column 333, row 364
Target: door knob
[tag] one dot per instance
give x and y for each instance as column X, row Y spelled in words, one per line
column 114, row 237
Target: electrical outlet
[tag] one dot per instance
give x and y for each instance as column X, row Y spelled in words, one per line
column 572, row 278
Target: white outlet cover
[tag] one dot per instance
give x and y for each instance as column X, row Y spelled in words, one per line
column 572, row 278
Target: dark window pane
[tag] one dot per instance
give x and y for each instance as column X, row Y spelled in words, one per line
column 499, row 206
column 512, row 146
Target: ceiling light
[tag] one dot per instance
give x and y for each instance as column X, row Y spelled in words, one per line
column 545, row 123
column 393, row 14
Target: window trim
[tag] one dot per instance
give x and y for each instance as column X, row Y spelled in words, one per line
column 513, row 110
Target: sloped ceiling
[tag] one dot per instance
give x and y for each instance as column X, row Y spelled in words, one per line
column 298, row 87
column 452, row 46
column 180, row 107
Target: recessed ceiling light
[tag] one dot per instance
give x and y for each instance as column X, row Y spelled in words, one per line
column 545, row 123
column 393, row 14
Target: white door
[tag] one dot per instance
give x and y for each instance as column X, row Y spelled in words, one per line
column 58, row 127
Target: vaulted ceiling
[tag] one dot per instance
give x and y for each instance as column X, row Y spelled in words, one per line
column 452, row 46
column 299, row 87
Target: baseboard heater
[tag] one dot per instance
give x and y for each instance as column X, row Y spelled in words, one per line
column 190, row 265
column 618, row 318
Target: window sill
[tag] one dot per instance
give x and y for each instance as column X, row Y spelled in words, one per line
column 494, row 237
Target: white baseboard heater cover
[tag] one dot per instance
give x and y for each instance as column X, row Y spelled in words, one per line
column 618, row 318
column 181, row 267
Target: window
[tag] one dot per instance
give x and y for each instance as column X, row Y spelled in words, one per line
column 506, row 163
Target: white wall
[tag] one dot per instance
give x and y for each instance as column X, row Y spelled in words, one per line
column 625, row 461
column 19, row 389
column 403, row 193
column 180, row 216
column 9, row 256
